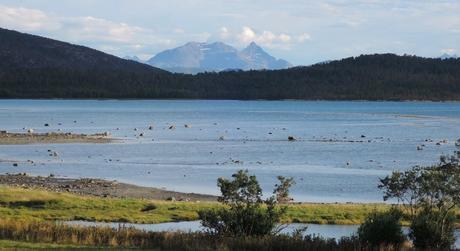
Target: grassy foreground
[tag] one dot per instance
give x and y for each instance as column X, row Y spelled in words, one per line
column 27, row 204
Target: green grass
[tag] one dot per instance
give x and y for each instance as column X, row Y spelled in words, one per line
column 331, row 213
column 28, row 204
column 8, row 244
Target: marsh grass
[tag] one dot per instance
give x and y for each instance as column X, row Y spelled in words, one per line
column 43, row 233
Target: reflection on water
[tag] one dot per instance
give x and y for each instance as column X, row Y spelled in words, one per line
column 341, row 151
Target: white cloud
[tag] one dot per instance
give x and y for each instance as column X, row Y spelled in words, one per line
column 26, row 19
column 113, row 37
column 284, row 38
column 179, row 31
column 224, row 33
column 91, row 28
column 303, row 37
column 449, row 51
column 267, row 38
column 247, row 35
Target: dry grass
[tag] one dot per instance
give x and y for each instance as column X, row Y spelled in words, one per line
column 103, row 237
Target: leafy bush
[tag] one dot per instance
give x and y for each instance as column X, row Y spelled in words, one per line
column 431, row 229
column 382, row 229
column 245, row 212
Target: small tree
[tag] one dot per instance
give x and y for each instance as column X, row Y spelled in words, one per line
column 430, row 193
column 245, row 211
column 282, row 189
column 382, row 229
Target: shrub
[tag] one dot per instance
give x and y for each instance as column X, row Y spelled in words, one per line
column 382, row 229
column 430, row 229
column 431, row 194
column 245, row 212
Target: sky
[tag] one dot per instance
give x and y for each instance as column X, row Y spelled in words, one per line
column 302, row 32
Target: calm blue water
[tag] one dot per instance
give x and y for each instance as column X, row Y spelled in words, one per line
column 255, row 137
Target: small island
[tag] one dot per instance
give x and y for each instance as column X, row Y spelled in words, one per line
column 11, row 138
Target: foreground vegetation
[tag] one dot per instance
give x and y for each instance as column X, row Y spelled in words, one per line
column 64, row 236
column 28, row 204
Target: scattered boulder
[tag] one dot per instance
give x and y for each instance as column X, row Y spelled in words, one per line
column 15, row 164
column 46, row 124
column 187, row 126
column 30, row 130
column 172, row 198
column 172, row 127
column 291, row 138
column 221, row 138
column 150, row 127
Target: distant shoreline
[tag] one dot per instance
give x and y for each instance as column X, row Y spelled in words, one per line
column 243, row 100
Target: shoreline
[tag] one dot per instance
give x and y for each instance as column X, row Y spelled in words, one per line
column 244, row 100
column 114, row 189
column 99, row 188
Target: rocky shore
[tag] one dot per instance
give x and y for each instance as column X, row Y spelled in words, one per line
column 98, row 187
column 9, row 138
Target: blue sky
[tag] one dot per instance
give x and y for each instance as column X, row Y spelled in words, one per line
column 302, row 32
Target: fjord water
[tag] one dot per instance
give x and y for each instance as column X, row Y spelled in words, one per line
column 341, row 151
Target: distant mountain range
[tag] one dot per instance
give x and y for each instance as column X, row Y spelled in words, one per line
column 448, row 56
column 37, row 67
column 196, row 57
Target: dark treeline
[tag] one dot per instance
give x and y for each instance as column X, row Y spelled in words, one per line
column 37, row 67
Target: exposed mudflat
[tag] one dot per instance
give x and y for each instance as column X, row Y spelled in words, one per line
column 98, row 187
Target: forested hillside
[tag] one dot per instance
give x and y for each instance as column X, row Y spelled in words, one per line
column 37, row 67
